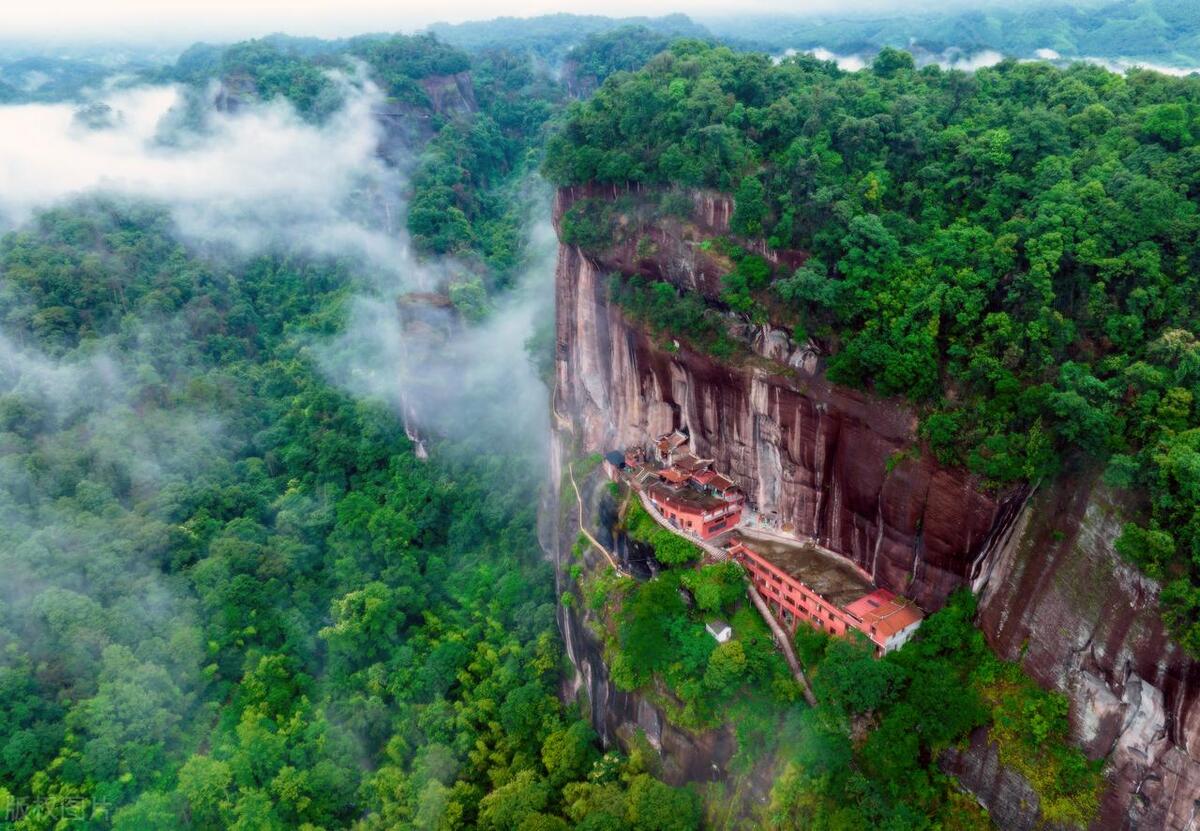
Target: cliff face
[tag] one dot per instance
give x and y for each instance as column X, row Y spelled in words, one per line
column 617, row 716
column 832, row 463
column 1058, row 598
column 839, row 466
column 450, row 95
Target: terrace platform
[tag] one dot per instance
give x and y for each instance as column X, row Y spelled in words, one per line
column 833, row 577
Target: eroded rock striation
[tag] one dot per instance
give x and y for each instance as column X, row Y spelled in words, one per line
column 832, row 463
column 1059, row 599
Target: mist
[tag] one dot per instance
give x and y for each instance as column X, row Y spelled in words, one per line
column 472, row 384
column 261, row 179
column 952, row 58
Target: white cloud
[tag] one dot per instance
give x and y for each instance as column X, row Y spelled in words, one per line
column 955, row 59
column 472, row 384
column 1124, row 64
column 261, row 177
column 850, row 63
column 952, row 58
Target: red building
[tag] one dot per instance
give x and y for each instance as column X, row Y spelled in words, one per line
column 694, row 512
column 886, row 619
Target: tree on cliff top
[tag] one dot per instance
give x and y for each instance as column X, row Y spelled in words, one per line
column 1015, row 250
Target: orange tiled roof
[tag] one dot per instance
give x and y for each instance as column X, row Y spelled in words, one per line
column 673, row 475
column 721, row 482
column 671, row 440
column 691, row 462
column 886, row 612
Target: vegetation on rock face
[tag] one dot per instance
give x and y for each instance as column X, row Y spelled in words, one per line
column 399, row 62
column 656, row 642
column 870, row 753
column 674, row 314
column 670, row 549
column 870, row 750
column 1016, row 250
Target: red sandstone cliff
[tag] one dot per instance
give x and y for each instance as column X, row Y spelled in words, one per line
column 1059, row 598
column 1053, row 592
column 828, row 460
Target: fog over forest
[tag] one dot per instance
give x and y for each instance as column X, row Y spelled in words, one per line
column 291, row 536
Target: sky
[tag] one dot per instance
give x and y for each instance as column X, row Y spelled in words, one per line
column 191, row 20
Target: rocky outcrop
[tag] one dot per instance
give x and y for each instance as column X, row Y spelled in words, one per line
column 662, row 232
column 1010, row 800
column 831, row 463
column 619, row 717
column 407, row 126
column 1059, row 599
column 450, row 95
column 234, row 93
column 579, row 84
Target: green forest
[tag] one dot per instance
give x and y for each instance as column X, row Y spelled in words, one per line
column 328, row 632
column 239, row 596
column 236, row 597
column 1015, row 251
column 1166, row 32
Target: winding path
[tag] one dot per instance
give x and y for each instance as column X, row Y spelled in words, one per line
column 583, row 530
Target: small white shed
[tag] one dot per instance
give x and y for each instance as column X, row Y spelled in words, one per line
column 720, row 630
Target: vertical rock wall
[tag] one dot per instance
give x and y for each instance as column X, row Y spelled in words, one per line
column 1059, row 599
column 833, row 463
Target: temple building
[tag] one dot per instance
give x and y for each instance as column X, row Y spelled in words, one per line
column 693, row 511
column 800, row 581
column 805, row 584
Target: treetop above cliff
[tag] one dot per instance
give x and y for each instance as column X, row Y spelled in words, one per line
column 1015, row 250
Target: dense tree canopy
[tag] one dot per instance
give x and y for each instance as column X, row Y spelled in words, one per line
column 235, row 597
column 1015, row 250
